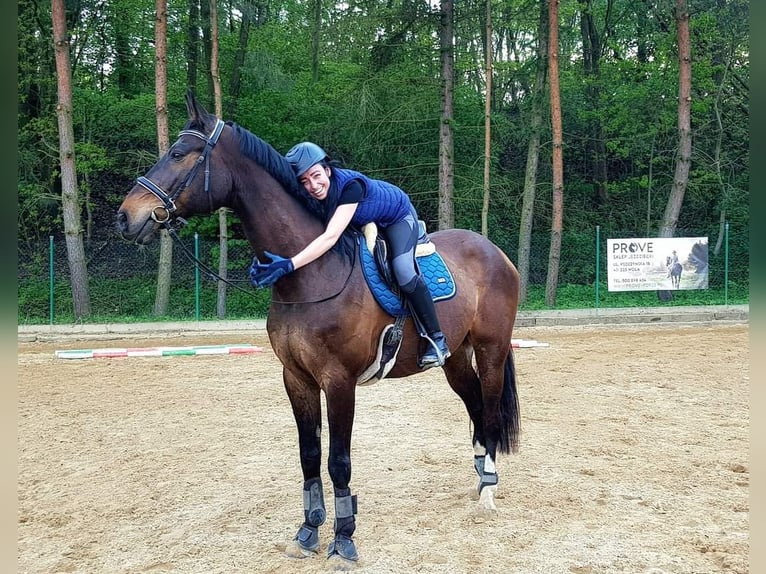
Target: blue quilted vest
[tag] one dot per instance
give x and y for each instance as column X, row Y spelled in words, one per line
column 384, row 203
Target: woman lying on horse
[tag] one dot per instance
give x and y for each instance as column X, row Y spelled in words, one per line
column 349, row 197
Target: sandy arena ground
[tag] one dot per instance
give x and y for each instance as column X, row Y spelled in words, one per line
column 634, row 459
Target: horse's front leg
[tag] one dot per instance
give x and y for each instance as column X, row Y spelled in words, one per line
column 304, row 395
column 340, row 395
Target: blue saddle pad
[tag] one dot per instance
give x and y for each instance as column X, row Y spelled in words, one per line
column 432, row 267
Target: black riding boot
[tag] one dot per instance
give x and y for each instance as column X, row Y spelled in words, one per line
column 422, row 305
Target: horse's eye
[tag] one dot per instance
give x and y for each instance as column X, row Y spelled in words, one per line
column 176, row 154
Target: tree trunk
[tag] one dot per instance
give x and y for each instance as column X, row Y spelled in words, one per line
column 69, row 196
column 165, row 263
column 557, row 204
column 595, row 147
column 643, row 31
column 533, row 154
column 215, row 74
column 446, row 143
column 487, row 123
column 207, row 46
column 223, row 233
column 123, row 65
column 235, row 82
column 683, row 161
column 649, row 182
column 254, row 12
column 717, row 155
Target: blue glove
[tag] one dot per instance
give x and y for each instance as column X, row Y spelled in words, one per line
column 266, row 274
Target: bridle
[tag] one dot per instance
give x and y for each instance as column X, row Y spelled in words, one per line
column 168, row 220
column 168, row 199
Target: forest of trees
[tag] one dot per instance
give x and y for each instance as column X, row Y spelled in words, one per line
column 368, row 81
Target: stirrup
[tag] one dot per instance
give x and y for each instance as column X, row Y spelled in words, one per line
column 435, row 356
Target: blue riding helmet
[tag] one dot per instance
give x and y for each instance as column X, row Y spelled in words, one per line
column 303, row 155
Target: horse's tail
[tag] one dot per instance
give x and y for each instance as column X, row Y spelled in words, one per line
column 509, row 409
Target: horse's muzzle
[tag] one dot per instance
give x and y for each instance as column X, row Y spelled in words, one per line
column 140, row 235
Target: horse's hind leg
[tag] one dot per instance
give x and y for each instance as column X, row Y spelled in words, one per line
column 307, row 410
column 490, row 395
column 463, row 379
column 497, row 373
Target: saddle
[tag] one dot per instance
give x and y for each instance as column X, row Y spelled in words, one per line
column 376, row 267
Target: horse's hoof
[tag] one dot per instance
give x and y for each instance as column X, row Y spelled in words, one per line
column 305, row 543
column 344, row 548
column 487, row 498
column 481, row 514
column 295, row 550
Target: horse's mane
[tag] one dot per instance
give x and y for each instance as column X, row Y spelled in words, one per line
column 275, row 164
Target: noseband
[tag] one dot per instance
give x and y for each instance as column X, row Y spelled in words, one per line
column 168, row 199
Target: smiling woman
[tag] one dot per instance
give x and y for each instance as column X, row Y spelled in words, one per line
column 350, row 198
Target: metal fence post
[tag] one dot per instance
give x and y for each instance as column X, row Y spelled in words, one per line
column 726, row 265
column 598, row 252
column 196, row 276
column 50, row 279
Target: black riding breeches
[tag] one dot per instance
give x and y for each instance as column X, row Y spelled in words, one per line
column 402, row 238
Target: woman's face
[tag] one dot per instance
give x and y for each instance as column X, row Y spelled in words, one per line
column 316, row 181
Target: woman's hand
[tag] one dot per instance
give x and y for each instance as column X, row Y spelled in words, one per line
column 266, row 274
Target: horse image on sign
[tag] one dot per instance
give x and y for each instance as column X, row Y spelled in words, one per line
column 674, row 271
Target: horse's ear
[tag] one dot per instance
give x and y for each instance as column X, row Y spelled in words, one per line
column 197, row 112
column 192, row 106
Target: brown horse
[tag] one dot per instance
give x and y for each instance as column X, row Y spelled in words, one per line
column 324, row 323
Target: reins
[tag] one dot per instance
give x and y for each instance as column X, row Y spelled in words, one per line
column 213, row 274
column 196, row 260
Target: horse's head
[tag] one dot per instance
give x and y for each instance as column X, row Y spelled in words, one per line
column 183, row 182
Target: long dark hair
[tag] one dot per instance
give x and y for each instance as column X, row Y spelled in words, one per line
column 330, row 204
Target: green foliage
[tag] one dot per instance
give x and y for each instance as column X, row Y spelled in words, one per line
column 92, row 158
column 376, row 106
column 122, row 125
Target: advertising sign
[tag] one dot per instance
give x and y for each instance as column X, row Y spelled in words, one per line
column 657, row 263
